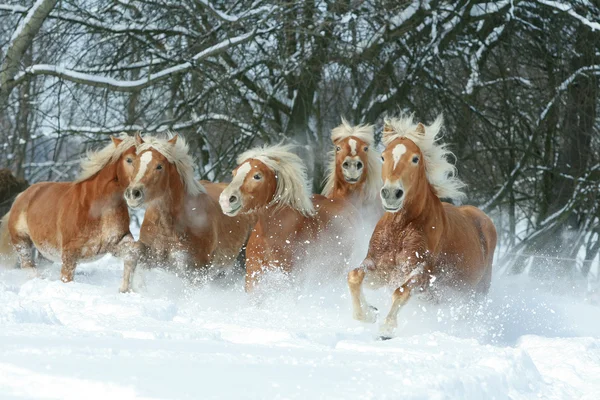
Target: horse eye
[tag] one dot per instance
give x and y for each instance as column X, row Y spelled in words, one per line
column 257, row 177
column 129, row 161
column 382, row 159
column 415, row 159
column 337, row 148
column 159, row 167
column 366, row 148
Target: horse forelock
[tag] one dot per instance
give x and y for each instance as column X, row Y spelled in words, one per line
column 292, row 181
column 95, row 161
column 441, row 174
column 364, row 132
column 178, row 155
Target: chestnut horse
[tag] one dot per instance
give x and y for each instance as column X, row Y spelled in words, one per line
column 69, row 222
column 421, row 239
column 183, row 224
column 271, row 182
column 354, row 173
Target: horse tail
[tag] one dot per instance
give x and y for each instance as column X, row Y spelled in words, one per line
column 8, row 255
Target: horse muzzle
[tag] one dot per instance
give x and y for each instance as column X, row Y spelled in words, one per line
column 231, row 203
column 392, row 198
column 134, row 196
column 352, row 170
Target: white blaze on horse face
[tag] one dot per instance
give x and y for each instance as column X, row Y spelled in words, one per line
column 352, row 143
column 144, row 161
column 398, row 151
column 234, row 186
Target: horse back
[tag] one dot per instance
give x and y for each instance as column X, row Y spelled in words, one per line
column 36, row 211
column 471, row 236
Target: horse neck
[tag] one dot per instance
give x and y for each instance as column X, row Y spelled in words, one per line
column 351, row 192
column 170, row 208
column 103, row 184
column 422, row 207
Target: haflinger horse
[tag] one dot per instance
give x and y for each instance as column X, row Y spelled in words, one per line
column 421, row 239
column 69, row 222
column 183, row 226
column 354, row 172
column 271, row 183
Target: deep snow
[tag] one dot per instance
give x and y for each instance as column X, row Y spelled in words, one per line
column 84, row 340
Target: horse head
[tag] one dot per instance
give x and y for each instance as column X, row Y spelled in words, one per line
column 402, row 171
column 163, row 168
column 125, row 162
column 264, row 176
column 253, row 186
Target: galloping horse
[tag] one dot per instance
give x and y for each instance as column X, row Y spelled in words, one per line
column 271, row 182
column 183, row 224
column 354, row 173
column 76, row 221
column 421, row 239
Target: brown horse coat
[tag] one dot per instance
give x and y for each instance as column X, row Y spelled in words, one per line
column 421, row 240
column 183, row 225
column 77, row 221
column 270, row 182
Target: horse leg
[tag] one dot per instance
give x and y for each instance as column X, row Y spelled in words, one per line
column 68, row 267
column 399, row 298
column 361, row 310
column 129, row 251
column 24, row 248
column 253, row 273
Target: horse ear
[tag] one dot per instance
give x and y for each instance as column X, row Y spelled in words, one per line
column 138, row 138
column 420, row 129
column 116, row 141
column 388, row 129
column 173, row 140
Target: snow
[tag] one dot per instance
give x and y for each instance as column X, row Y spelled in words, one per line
column 176, row 341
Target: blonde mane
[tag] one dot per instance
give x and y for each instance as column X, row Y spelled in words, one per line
column 97, row 160
column 292, row 182
column 440, row 173
column 365, row 133
column 177, row 154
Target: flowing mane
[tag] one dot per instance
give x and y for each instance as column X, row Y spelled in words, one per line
column 440, row 173
column 97, row 160
column 177, row 154
column 365, row 133
column 292, row 187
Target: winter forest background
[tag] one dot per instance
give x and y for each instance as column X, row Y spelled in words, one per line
column 517, row 81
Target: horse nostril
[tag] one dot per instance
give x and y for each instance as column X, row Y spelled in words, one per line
column 359, row 165
column 399, row 193
column 233, row 199
column 345, row 165
column 385, row 193
column 136, row 193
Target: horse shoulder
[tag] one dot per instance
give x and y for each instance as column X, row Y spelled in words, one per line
column 214, row 189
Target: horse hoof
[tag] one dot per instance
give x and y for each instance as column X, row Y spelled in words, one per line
column 369, row 316
column 384, row 337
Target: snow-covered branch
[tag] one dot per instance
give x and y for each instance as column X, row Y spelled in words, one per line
column 568, row 8
column 138, row 84
column 594, row 69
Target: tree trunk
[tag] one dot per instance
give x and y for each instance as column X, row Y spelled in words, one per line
column 19, row 44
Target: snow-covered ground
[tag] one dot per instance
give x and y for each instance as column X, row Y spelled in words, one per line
column 84, row 340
